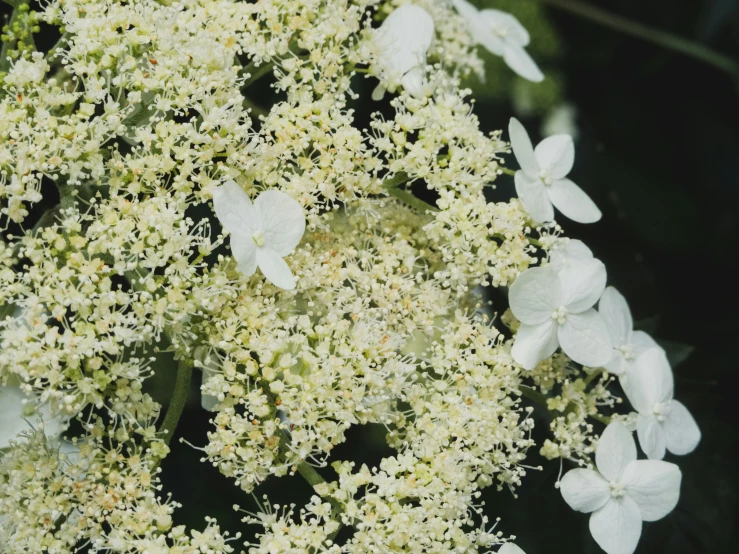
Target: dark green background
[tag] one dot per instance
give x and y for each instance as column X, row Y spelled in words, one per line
column 659, row 138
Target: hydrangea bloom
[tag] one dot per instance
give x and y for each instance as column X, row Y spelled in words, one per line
column 622, row 492
column 541, row 182
column 663, row 422
column 262, row 233
column 556, row 309
column 628, row 344
column 502, row 35
column 401, row 45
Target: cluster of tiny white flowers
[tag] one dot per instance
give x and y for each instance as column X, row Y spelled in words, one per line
column 345, row 298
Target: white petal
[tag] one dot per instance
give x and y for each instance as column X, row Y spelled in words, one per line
column 582, row 284
column 275, row 269
column 642, row 342
column 535, row 295
column 510, row 548
column 584, row 338
column 617, row 315
column 584, row 490
column 244, row 251
column 11, row 414
column 616, row 449
column 616, row 527
column 556, row 155
column 522, row 63
column 480, row 29
column 651, row 436
column 682, row 434
column 403, row 40
column 283, row 221
column 618, row 364
column 234, row 209
column 649, row 381
column 572, row 201
column 207, row 401
column 534, row 343
column 572, row 252
column 414, row 81
column 522, row 148
column 533, row 195
column 654, row 486
column 497, row 19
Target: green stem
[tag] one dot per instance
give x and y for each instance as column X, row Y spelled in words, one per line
column 397, row 180
column 533, row 395
column 412, row 201
column 178, row 401
column 506, row 171
column 650, row 34
column 256, row 72
column 593, row 375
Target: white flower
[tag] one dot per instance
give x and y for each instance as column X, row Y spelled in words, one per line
column 401, row 44
column 262, row 233
column 560, row 120
column 556, row 309
column 18, row 413
column 510, row 548
column 502, row 35
column 568, row 253
column 662, row 423
column 541, row 184
column 623, row 492
column 628, row 344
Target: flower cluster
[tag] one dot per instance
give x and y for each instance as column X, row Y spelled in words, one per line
column 316, row 274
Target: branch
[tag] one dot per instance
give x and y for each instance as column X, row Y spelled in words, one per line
column 178, row 401
column 650, row 34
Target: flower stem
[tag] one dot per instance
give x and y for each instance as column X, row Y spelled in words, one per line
column 178, row 401
column 506, row 171
column 256, row 72
column 412, row 201
column 650, row 34
column 593, row 375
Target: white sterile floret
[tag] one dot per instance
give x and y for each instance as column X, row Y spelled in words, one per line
column 400, row 46
column 622, row 492
column 568, row 252
column 556, row 309
column 510, row 548
column 262, row 233
column 541, row 183
column 628, row 344
column 662, row 423
column 19, row 414
column 503, row 35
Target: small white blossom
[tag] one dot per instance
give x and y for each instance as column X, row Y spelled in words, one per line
column 556, row 309
column 262, row 233
column 503, row 35
column 622, row 492
column 628, row 344
column 541, row 182
column 510, row 548
column 662, row 423
column 400, row 47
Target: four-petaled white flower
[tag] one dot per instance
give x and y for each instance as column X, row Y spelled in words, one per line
column 400, row 46
column 503, row 35
column 555, row 308
column 541, row 183
column 623, row 492
column 262, row 233
column 662, row 423
column 628, row 344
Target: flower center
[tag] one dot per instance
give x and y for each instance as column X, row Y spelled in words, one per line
column 560, row 315
column 500, row 30
column 618, row 489
column 660, row 410
column 628, row 351
column 258, row 238
column 545, row 177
